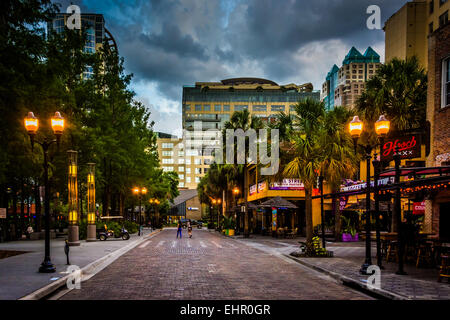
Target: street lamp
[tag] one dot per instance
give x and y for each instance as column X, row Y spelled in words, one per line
column 381, row 128
column 236, row 191
column 31, row 125
column 140, row 192
column 154, row 202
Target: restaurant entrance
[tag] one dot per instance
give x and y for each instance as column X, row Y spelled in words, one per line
column 444, row 221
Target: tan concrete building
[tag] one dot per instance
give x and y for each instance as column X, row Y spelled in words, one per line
column 211, row 104
column 187, row 205
column 406, row 31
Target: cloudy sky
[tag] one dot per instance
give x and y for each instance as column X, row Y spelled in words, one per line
column 170, row 43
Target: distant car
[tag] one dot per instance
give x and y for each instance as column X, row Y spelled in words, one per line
column 199, row 224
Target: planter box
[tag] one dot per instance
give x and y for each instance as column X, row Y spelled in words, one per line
column 347, row 237
column 230, row 232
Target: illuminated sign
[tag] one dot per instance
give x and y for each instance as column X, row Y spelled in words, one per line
column 287, row 184
column 419, row 207
column 408, row 148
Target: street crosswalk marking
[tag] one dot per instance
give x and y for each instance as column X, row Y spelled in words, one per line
column 189, row 245
column 217, row 245
column 145, row 244
column 174, row 244
column 160, row 243
column 202, row 244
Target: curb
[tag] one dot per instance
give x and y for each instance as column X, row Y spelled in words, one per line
column 87, row 271
column 358, row 285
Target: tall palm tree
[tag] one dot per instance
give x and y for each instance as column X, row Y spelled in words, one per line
column 243, row 120
column 319, row 146
column 399, row 91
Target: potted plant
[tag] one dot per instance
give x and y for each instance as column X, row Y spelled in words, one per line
column 349, row 233
column 228, row 226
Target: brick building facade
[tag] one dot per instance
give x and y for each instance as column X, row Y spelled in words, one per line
column 437, row 216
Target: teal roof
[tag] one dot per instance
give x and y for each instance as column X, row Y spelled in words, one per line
column 334, row 69
column 371, row 55
column 353, row 56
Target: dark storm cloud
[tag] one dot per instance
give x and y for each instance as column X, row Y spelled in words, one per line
column 173, row 43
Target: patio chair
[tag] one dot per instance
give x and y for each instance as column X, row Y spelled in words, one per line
column 292, row 234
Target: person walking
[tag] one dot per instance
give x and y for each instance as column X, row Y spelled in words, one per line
column 179, row 230
column 189, row 227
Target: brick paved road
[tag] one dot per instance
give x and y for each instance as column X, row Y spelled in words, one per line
column 208, row 266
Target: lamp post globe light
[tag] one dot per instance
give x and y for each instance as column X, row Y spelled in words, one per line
column 355, row 129
column 31, row 125
column 139, row 192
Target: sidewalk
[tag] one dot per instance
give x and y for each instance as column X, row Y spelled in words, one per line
column 420, row 283
column 19, row 274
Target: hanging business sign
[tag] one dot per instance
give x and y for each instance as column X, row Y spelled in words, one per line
column 361, row 186
column 419, row 207
column 287, row 184
column 409, row 147
column 343, row 202
column 253, row 189
column 2, row 213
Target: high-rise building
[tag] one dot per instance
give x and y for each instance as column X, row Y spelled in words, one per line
column 171, row 153
column 209, row 105
column 407, row 30
column 344, row 85
column 97, row 34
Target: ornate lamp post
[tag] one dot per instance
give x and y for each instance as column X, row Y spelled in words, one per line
column 91, row 228
column 355, row 129
column 32, row 125
column 140, row 191
column 73, row 199
column 154, row 202
column 236, row 192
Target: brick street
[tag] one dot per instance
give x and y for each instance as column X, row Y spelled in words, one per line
column 208, row 266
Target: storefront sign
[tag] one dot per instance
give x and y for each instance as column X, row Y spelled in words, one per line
column 274, row 219
column 343, row 202
column 253, row 189
column 409, row 147
column 192, row 208
column 2, row 213
column 287, row 184
column 419, row 207
column 262, row 186
column 360, row 186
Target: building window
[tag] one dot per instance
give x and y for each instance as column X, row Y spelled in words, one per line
column 167, row 145
column 181, row 184
column 181, row 176
column 197, row 179
column 167, row 153
column 292, row 107
column 167, row 161
column 218, row 107
column 240, row 107
column 188, row 179
column 445, row 83
column 431, row 6
column 276, row 108
column 187, row 107
column 188, row 170
column 198, row 107
column 181, row 169
column 206, row 161
column 167, row 169
column 443, row 19
column 226, row 108
column 188, row 160
column 260, row 108
column 181, row 161
column 181, row 153
column 206, row 107
column 198, row 170
column 197, row 161
column 205, row 170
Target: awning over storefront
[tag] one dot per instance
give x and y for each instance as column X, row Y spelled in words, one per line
column 417, row 171
column 278, row 202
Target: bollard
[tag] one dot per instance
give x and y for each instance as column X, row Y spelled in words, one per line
column 66, row 251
